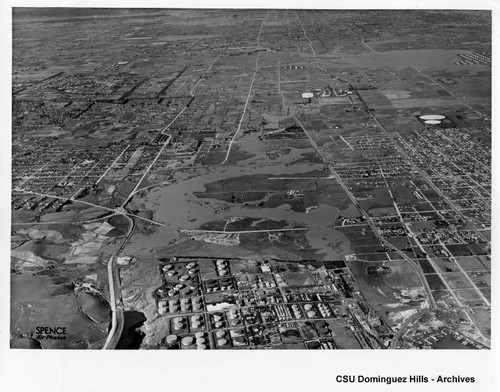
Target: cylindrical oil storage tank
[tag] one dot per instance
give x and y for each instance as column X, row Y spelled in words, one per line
column 173, row 302
column 225, row 285
column 173, row 309
column 197, row 317
column 235, row 322
column 161, row 292
column 200, row 341
column 167, row 267
column 184, row 278
column 196, row 324
column 186, row 291
column 162, row 310
column 172, row 339
column 192, row 272
column 191, row 265
column 220, row 262
column 233, row 316
column 201, row 347
column 187, row 342
column 311, row 314
column 171, row 274
column 239, row 341
column 217, row 317
column 220, row 334
column 199, row 335
column 237, row 332
column 219, row 324
column 178, row 323
column 196, row 301
column 308, row 307
column 222, row 342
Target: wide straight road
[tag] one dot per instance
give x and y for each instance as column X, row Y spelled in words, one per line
column 115, row 298
column 248, row 96
column 242, row 231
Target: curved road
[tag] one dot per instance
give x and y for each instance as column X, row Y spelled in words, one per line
column 405, row 325
column 248, row 96
column 117, row 316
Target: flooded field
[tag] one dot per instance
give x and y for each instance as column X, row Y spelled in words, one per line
column 251, row 179
column 178, row 208
column 420, row 59
column 131, row 337
column 251, row 144
column 450, row 343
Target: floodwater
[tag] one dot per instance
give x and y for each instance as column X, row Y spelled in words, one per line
column 252, row 145
column 179, row 208
column 418, row 58
column 131, row 337
column 450, row 343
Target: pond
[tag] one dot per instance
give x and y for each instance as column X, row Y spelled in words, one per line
column 131, row 338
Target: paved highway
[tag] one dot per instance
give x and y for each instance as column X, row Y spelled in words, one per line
column 118, row 210
column 243, row 231
column 115, row 299
column 248, row 96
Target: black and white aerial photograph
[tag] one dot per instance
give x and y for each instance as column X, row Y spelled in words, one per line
column 234, row 179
